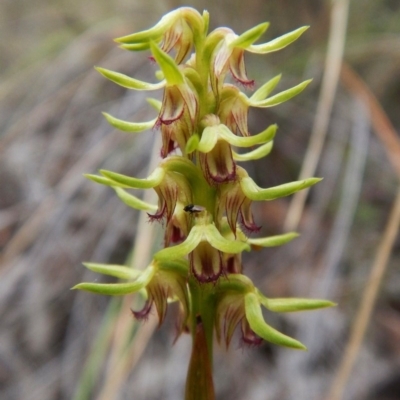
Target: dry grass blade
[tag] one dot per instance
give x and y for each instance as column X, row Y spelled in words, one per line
column 67, row 186
column 382, row 126
column 121, row 362
column 337, row 36
column 388, row 137
column 367, row 302
column 123, row 366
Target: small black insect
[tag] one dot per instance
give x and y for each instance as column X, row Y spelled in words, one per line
column 192, row 209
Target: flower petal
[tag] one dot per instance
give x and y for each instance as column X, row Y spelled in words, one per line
column 238, row 68
column 247, row 216
column 249, row 337
column 173, row 106
column 230, row 311
column 218, row 164
column 206, row 263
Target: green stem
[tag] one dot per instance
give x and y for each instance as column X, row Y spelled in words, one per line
column 199, row 382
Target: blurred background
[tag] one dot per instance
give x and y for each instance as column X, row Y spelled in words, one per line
column 59, row 345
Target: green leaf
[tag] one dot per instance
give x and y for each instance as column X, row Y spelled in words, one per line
column 129, row 126
column 117, row 271
column 273, row 241
column 295, row 304
column 170, row 69
column 118, row 289
column 280, row 97
column 261, row 328
column 128, row 82
column 253, row 192
column 134, row 202
column 262, row 92
column 256, row 154
column 119, row 180
column 278, row 43
column 249, row 37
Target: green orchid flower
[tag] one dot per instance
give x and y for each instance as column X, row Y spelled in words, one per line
column 204, row 196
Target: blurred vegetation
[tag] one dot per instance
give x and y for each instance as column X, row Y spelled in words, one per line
column 51, row 219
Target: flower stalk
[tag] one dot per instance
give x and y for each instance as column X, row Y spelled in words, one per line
column 204, row 196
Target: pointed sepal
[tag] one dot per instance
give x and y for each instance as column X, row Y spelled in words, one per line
column 255, row 193
column 117, row 271
column 129, row 126
column 261, row 328
column 133, row 201
column 170, row 69
column 280, row 97
column 294, row 304
column 152, row 33
column 273, row 241
column 256, row 154
column 263, row 91
column 249, row 37
column 118, row 289
column 119, row 180
column 212, row 134
column 278, row 43
column 128, row 82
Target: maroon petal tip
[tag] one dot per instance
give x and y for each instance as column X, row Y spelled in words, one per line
column 143, row 314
